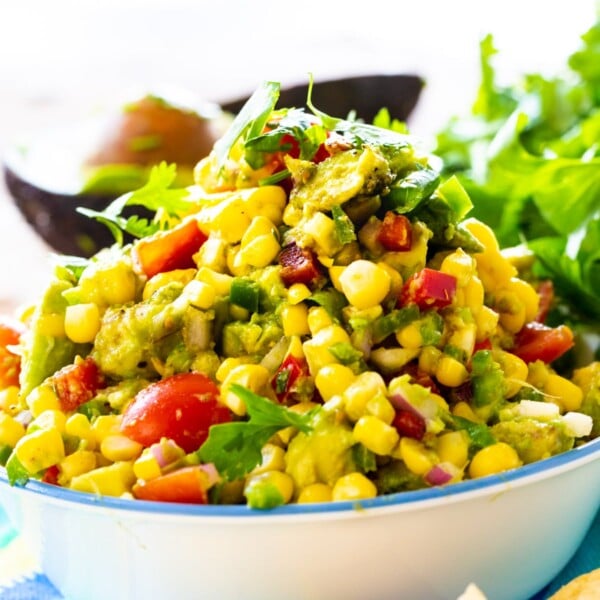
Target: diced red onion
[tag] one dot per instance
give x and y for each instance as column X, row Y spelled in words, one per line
column 401, row 403
column 438, row 475
column 212, row 473
column 164, row 458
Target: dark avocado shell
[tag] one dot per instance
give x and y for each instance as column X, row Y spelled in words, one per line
column 49, row 204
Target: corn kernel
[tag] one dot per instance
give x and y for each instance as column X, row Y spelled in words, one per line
column 146, row 467
column 376, row 435
column 40, row 449
column 82, row 322
column 380, row 407
column 269, row 489
column 511, row 309
column 261, row 251
column 333, row 379
column 117, row 447
column 79, row 426
column 9, row 400
column 51, row 325
column 42, row 398
column 564, row 392
column 259, row 226
column 252, row 377
column 220, row 282
column 298, row 292
column 316, row 492
column 365, row 284
column 473, row 295
column 497, row 458
column 395, row 277
column 112, row 480
column 486, row 320
column 316, row 350
column 322, row 230
column 294, row 318
column 410, row 336
column 353, row 486
column 451, row 372
column 429, row 358
column 460, row 265
column 527, row 295
column 105, row 425
column 212, row 254
column 366, row 386
column 416, row 457
column 464, row 338
column 464, row 410
column 228, row 365
column 334, row 274
column 453, row 447
column 515, row 371
column 318, row 318
column 159, row 280
column 49, row 419
column 483, row 233
column 11, row 431
column 273, row 459
column 81, row 461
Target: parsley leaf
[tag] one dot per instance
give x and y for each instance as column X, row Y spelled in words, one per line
column 235, row 448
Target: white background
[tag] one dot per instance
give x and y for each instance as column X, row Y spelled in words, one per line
column 60, row 60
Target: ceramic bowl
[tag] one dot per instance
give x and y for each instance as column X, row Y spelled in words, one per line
column 510, row 534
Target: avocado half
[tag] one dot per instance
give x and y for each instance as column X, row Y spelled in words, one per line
column 52, row 173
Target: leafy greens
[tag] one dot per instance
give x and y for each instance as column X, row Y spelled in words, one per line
column 528, row 155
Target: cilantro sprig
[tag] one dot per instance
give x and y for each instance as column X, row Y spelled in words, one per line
column 235, row 448
column 156, row 194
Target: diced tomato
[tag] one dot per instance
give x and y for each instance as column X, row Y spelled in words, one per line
column 291, row 370
column 168, row 250
column 539, row 342
column 51, row 475
column 10, row 363
column 395, row 233
column 299, row 265
column 428, row 289
column 483, row 345
column 409, row 424
column 187, row 485
column 546, row 294
column 181, row 407
column 77, row 384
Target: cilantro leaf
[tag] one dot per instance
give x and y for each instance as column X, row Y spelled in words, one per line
column 235, row 448
column 250, row 120
column 155, row 194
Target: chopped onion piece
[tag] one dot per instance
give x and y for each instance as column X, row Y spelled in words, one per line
column 440, row 474
column 578, row 424
column 212, row 474
column 537, row 409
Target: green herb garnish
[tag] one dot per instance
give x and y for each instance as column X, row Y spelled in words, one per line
column 235, row 448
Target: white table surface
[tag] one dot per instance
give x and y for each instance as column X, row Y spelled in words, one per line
column 62, row 60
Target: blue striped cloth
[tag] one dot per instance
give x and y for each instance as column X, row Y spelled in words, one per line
column 37, row 586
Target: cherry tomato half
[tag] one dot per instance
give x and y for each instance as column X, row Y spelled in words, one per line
column 181, row 407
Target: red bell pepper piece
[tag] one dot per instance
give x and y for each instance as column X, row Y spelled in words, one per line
column 77, row 384
column 168, row 250
column 395, row 233
column 291, row 370
column 299, row 265
column 540, row 342
column 428, row 289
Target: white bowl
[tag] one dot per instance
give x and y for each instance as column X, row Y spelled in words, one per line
column 510, row 534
